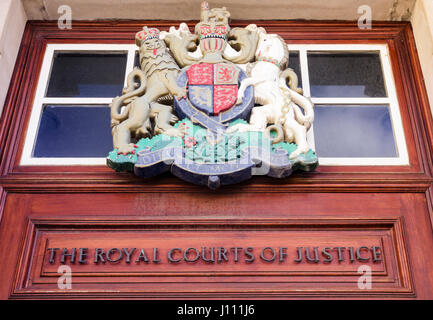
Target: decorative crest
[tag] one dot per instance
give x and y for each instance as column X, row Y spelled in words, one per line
column 234, row 109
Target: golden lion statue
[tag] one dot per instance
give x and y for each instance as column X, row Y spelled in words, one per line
column 157, row 78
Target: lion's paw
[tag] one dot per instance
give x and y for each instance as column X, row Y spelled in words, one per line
column 173, row 118
column 240, row 99
column 127, row 148
column 240, row 127
column 174, row 132
column 180, row 93
column 298, row 152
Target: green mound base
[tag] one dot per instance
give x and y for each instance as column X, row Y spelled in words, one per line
column 197, row 148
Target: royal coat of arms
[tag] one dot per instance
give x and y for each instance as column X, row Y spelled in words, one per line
column 210, row 110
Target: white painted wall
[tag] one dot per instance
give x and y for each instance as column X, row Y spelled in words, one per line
column 422, row 24
column 12, row 23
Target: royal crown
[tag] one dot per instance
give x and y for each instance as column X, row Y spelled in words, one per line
column 146, row 34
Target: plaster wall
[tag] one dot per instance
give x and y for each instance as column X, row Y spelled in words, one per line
column 422, row 24
column 12, row 23
column 239, row 9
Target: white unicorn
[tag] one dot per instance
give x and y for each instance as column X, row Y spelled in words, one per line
column 279, row 102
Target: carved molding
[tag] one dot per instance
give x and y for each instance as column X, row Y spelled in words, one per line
column 37, row 277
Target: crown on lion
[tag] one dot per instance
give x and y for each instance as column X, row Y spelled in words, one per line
column 146, row 34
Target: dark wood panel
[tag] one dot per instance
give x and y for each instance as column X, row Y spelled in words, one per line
column 390, row 273
column 400, row 222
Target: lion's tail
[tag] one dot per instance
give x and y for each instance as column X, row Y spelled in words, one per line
column 129, row 92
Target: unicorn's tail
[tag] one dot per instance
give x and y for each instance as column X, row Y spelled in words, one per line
column 296, row 98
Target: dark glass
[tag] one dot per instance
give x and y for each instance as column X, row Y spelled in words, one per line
column 294, row 64
column 346, row 75
column 87, row 75
column 137, row 60
column 74, row 131
column 137, row 65
column 353, row 131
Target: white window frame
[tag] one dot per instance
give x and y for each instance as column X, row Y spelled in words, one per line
column 40, row 100
column 391, row 100
column 131, row 49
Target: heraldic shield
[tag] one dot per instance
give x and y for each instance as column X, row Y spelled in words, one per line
column 213, row 88
column 207, row 113
column 212, row 95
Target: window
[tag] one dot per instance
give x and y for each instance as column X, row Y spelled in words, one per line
column 70, row 120
column 357, row 117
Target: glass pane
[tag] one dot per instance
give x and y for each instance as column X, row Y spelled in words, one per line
column 137, row 60
column 353, row 131
column 346, row 75
column 74, row 131
column 137, row 65
column 87, row 75
column 294, row 64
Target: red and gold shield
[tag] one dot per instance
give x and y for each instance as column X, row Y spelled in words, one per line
column 213, row 88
